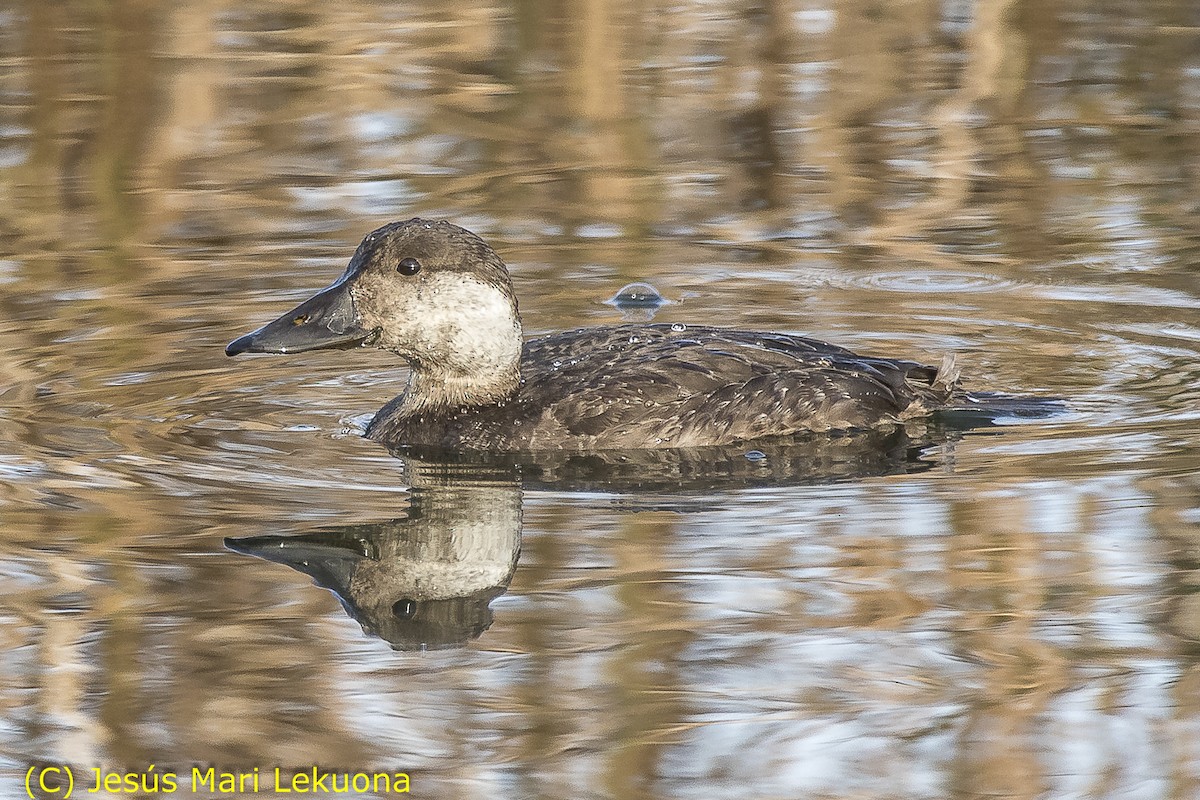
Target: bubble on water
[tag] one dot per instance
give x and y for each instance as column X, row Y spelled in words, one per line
column 638, row 302
column 637, row 295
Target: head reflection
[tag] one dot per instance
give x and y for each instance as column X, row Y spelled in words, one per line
column 423, row 581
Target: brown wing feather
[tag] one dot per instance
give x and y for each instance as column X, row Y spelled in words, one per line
column 647, row 386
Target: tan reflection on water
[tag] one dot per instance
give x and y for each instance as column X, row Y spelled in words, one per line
column 1013, row 182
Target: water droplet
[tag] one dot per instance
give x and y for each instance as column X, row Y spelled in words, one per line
column 634, row 340
column 557, row 363
column 678, row 326
column 756, row 455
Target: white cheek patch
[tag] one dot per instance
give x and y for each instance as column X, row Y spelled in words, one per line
column 471, row 322
column 450, row 322
column 476, row 317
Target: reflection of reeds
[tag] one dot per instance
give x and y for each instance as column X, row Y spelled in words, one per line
column 600, row 112
column 169, row 172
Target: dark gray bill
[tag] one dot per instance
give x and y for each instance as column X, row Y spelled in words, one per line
column 328, row 559
column 327, row 319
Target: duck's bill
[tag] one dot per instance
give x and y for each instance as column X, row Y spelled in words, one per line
column 331, row 564
column 325, row 320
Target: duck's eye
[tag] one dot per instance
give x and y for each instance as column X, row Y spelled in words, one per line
column 408, row 266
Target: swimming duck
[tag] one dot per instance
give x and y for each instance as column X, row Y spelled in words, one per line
column 440, row 298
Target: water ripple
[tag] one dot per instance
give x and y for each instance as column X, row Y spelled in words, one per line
column 925, row 281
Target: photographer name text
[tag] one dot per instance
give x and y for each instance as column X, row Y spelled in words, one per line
column 60, row 781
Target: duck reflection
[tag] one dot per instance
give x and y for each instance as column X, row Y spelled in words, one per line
column 426, row 580
column 802, row 460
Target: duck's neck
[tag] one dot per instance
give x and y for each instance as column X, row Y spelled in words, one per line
column 478, row 365
column 432, row 390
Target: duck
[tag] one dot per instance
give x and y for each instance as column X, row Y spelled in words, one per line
column 439, row 297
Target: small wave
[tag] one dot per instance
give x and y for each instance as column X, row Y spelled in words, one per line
column 920, row 281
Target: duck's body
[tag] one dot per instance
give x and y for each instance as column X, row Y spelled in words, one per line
column 438, row 296
column 639, row 386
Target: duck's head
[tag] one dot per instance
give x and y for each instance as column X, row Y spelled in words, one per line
column 434, row 293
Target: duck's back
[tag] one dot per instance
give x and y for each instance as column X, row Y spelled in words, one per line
column 661, row 385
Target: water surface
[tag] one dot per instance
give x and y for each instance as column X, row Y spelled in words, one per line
column 1006, row 613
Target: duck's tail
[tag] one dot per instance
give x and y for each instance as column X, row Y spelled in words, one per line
column 989, row 407
column 931, row 387
column 947, row 375
column 952, row 404
column 995, row 405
